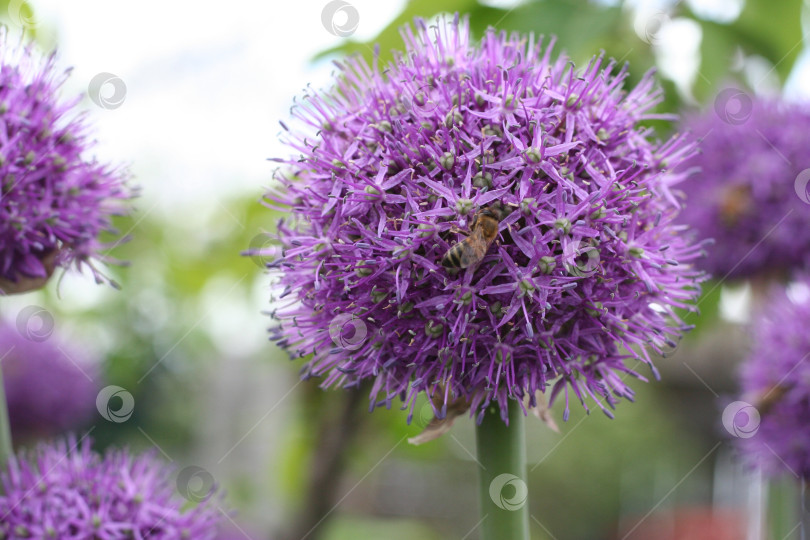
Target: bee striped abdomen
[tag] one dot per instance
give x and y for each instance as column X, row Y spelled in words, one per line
column 471, row 250
column 453, row 257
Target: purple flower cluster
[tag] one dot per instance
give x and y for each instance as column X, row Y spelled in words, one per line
column 586, row 270
column 747, row 193
column 54, row 199
column 49, row 386
column 776, row 381
column 65, row 490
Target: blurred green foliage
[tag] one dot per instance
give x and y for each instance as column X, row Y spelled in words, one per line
column 764, row 28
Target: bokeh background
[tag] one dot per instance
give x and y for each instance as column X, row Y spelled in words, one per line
column 190, row 95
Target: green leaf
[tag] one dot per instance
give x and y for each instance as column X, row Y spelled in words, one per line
column 389, row 39
column 774, row 30
column 768, row 29
column 716, row 51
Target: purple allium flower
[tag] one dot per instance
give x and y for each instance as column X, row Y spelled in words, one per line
column 54, row 199
column 744, row 194
column 65, row 490
column 49, row 386
column 776, row 380
column 585, row 272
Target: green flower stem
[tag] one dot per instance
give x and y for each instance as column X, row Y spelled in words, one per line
column 804, row 509
column 503, row 478
column 5, row 428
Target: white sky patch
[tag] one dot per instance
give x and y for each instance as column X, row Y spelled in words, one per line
column 79, row 292
column 228, row 313
column 735, row 303
column 761, row 75
column 503, row 4
column 722, row 11
column 678, row 52
column 206, row 85
column 797, row 87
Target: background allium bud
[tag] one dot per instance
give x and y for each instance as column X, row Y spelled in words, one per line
column 62, row 490
column 776, row 381
column 49, row 385
column 746, row 191
column 54, row 199
column 395, row 161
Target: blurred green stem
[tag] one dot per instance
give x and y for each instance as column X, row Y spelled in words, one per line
column 5, row 428
column 503, row 483
column 804, row 510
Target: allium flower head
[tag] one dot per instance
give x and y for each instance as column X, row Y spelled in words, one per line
column 49, row 385
column 65, row 490
column 394, row 165
column 776, row 382
column 746, row 191
column 54, row 199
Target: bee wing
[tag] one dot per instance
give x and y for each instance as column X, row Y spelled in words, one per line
column 469, row 256
column 543, row 412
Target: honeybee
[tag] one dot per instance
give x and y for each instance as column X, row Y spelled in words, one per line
column 483, row 231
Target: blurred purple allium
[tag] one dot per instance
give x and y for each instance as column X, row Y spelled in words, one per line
column 776, row 381
column 55, row 198
column 746, row 192
column 394, row 161
column 65, row 490
column 49, row 386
